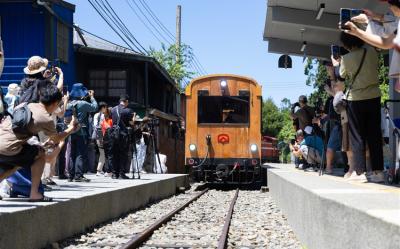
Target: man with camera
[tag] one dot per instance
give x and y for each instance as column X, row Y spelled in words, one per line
column 123, row 119
column 83, row 103
column 304, row 115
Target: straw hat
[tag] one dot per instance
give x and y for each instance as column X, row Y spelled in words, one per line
column 36, row 64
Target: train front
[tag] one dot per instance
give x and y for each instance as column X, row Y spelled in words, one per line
column 223, row 129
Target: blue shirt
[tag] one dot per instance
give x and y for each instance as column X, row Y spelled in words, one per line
column 83, row 108
column 314, row 142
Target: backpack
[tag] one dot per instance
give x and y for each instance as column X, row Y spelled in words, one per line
column 21, row 118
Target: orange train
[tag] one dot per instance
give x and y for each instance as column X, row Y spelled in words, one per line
column 223, row 129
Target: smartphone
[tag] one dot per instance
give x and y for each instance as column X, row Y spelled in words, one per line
column 345, row 16
column 327, row 63
column 335, row 51
column 65, row 90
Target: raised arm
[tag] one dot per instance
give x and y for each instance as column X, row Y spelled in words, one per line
column 374, row 40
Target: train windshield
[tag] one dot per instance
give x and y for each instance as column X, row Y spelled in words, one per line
column 223, row 110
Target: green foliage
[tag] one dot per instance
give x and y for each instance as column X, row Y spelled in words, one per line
column 383, row 76
column 176, row 61
column 271, row 118
column 316, row 76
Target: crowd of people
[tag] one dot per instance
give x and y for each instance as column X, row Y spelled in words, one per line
column 46, row 131
column 350, row 127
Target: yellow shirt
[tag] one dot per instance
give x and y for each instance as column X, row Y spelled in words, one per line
column 366, row 85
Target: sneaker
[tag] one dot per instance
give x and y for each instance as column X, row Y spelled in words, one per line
column 347, row 175
column 114, row 176
column 70, row 179
column 99, row 173
column 376, row 177
column 357, row 178
column 123, row 176
column 81, row 179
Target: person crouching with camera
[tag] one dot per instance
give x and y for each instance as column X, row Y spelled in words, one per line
column 310, row 148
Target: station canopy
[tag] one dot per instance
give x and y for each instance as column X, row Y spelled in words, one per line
column 292, row 23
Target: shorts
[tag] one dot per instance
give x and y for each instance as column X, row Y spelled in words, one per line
column 335, row 139
column 23, row 159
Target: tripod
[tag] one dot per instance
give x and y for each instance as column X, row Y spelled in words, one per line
column 132, row 137
column 155, row 150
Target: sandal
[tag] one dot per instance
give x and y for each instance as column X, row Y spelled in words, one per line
column 43, row 199
column 48, row 181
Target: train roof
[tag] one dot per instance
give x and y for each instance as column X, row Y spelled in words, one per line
column 188, row 90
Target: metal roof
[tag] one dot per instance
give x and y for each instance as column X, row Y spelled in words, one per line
column 291, row 22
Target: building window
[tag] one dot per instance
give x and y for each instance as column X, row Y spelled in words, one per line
column 98, row 82
column 62, row 42
column 108, row 83
column 116, row 83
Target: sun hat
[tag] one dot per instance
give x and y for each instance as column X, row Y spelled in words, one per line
column 36, row 64
column 78, row 91
column 13, row 89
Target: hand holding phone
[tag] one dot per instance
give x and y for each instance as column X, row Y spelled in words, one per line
column 335, row 51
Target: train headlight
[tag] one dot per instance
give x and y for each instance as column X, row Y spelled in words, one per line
column 192, row 147
column 223, row 83
column 253, row 148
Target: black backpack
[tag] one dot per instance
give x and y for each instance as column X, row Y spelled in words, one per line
column 21, row 118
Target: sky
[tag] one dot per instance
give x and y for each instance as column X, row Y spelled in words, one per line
column 225, row 35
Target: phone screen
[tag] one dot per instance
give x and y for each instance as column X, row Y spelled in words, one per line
column 65, row 90
column 345, row 16
column 335, row 51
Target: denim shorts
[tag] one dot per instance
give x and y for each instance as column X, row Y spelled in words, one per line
column 335, row 139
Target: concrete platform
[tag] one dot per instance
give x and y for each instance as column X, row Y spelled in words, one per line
column 79, row 206
column 328, row 212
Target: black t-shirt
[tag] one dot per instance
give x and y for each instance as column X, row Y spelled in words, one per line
column 125, row 115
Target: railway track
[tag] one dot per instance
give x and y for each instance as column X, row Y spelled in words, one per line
column 145, row 240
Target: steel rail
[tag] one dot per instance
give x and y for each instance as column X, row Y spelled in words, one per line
column 146, row 234
column 224, row 235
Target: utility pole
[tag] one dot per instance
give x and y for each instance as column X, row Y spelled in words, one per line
column 178, row 32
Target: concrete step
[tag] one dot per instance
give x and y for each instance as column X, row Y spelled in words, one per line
column 79, row 206
column 328, row 212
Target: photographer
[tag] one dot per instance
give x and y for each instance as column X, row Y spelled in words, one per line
column 310, row 149
column 38, row 76
column 304, row 114
column 330, row 121
column 363, row 107
column 83, row 103
column 123, row 118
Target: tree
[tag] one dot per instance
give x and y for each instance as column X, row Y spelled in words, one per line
column 176, row 61
column 317, row 76
column 271, row 118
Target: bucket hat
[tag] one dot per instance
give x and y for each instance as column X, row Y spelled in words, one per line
column 36, row 64
column 78, row 91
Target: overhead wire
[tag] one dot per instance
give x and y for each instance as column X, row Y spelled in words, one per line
column 123, row 24
column 113, row 28
column 142, row 21
column 118, row 27
column 156, row 19
column 194, row 63
column 151, row 23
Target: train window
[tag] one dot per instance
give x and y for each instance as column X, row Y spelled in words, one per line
column 244, row 93
column 203, row 93
column 223, row 109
